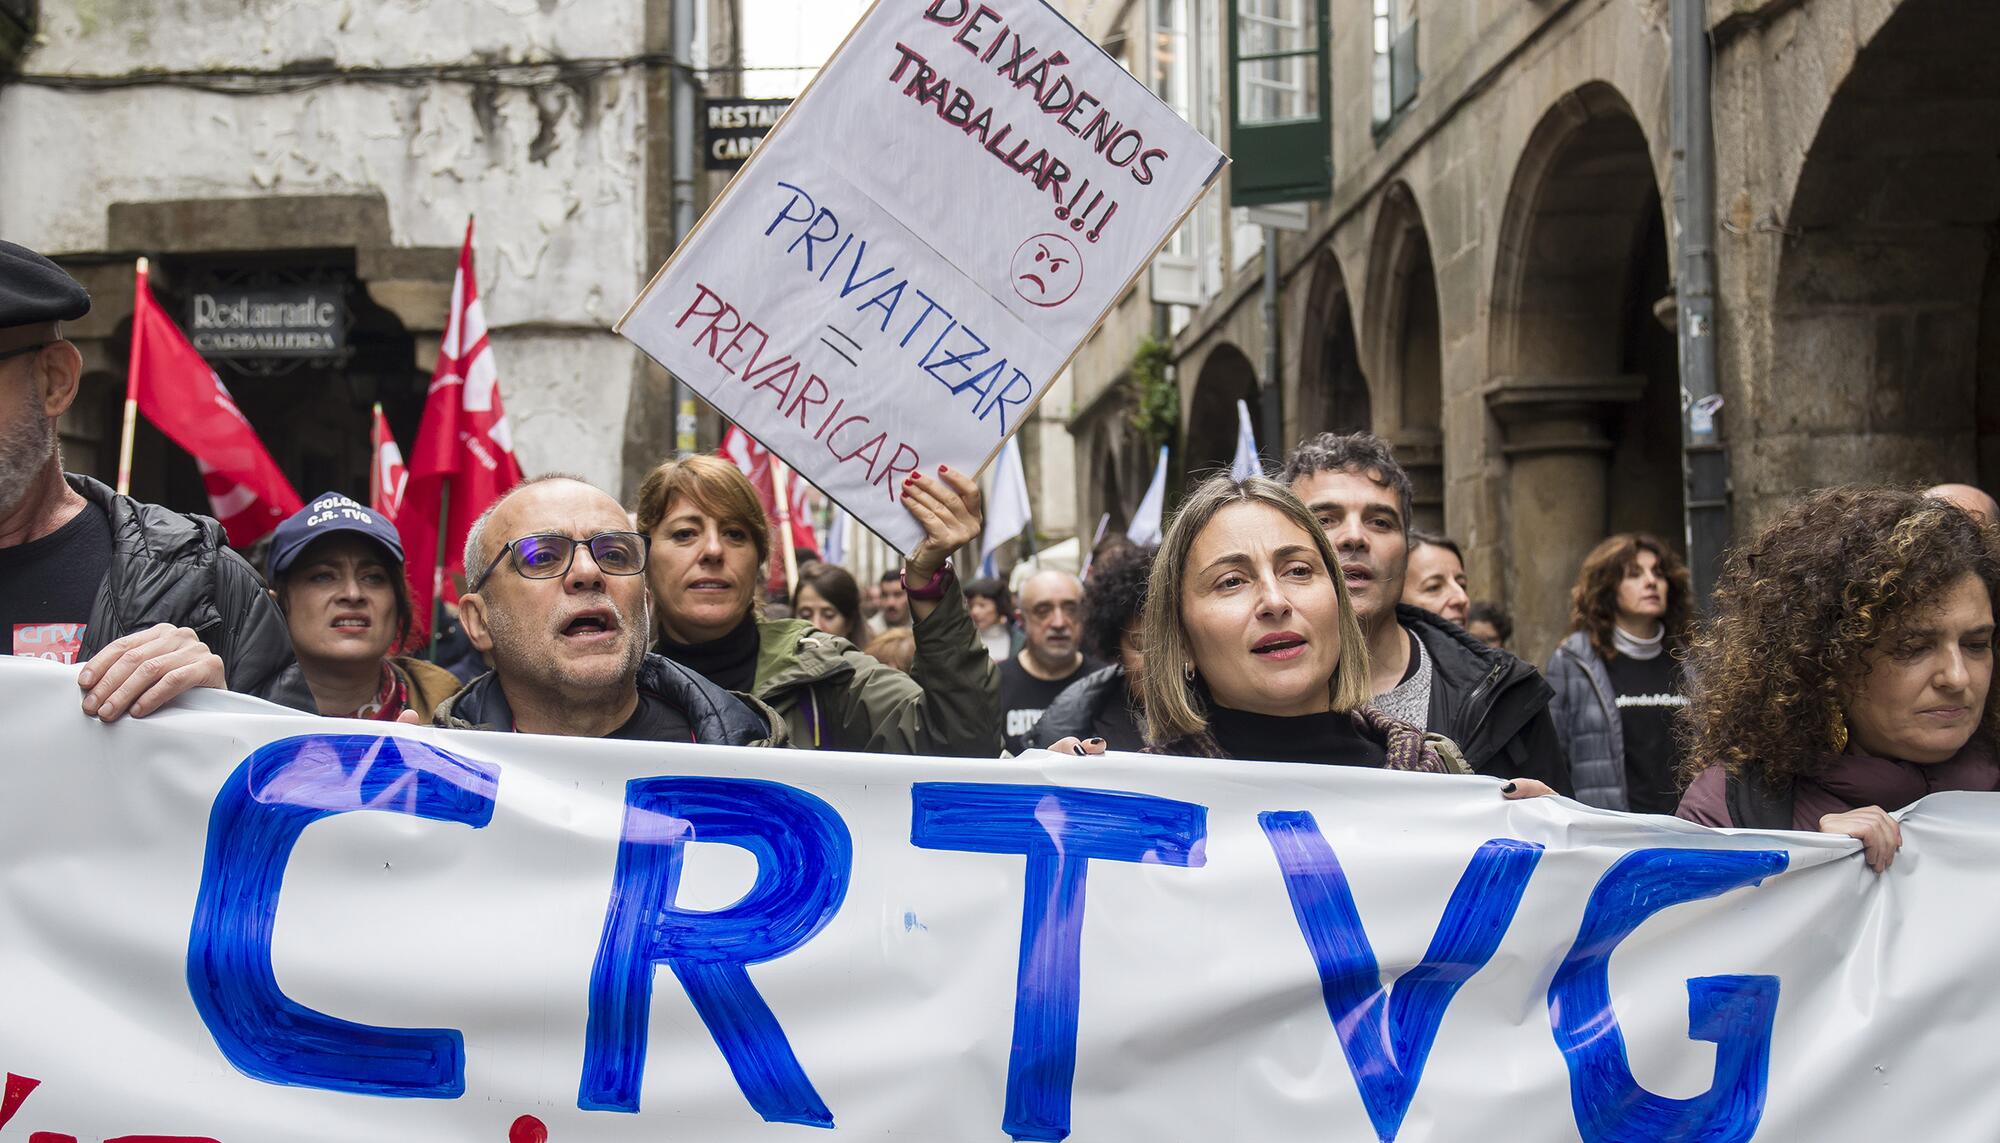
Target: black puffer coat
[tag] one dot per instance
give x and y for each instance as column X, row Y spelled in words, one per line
column 1081, row 711
column 167, row 567
column 719, row 717
column 1493, row 705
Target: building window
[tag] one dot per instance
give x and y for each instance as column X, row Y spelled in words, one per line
column 1395, row 44
column 1280, row 122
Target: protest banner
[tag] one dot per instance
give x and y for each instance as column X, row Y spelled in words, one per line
column 527, row 938
column 910, row 257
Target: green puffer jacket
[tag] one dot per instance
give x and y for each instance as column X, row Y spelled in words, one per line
column 835, row 696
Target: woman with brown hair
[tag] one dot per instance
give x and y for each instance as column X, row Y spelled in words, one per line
column 1253, row 650
column 1617, row 678
column 828, row 598
column 709, row 541
column 1848, row 669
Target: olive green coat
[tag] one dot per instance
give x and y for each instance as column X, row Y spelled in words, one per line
column 834, row 696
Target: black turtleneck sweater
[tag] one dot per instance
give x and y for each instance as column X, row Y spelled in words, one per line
column 729, row 662
column 1328, row 738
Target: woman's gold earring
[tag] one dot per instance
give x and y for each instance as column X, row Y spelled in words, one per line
column 1838, row 731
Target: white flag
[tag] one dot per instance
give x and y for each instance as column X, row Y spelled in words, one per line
column 1007, row 510
column 1145, row 526
column 1246, row 464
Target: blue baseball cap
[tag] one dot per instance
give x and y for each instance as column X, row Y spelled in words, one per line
column 325, row 515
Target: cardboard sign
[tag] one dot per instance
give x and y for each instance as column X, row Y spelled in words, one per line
column 913, row 254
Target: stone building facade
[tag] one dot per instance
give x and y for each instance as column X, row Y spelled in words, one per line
column 349, row 144
column 1490, row 285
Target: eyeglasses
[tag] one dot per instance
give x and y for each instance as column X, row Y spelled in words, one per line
column 550, row 554
column 25, row 350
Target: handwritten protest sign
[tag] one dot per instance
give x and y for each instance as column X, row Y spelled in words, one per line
column 911, row 256
column 233, row 923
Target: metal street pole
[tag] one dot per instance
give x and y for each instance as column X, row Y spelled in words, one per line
column 1704, row 458
column 1272, row 406
column 686, row 95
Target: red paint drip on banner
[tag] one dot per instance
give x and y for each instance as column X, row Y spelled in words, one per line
column 51, row 1137
column 528, row 1129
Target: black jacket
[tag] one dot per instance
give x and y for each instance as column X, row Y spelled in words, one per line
column 172, row 568
column 1493, row 705
column 1076, row 711
column 720, row 717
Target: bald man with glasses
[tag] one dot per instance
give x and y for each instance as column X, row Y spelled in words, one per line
column 558, row 605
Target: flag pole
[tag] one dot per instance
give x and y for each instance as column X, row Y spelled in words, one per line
column 374, row 460
column 438, row 568
column 131, row 428
column 781, row 486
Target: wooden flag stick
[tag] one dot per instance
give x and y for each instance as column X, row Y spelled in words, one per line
column 131, row 428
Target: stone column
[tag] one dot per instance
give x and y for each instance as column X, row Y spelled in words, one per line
column 1558, row 454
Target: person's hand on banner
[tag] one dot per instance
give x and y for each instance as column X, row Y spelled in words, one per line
column 1520, row 788
column 1878, row 833
column 145, row 670
column 947, row 505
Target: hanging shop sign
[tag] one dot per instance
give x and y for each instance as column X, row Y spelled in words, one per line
column 735, row 127
column 305, row 320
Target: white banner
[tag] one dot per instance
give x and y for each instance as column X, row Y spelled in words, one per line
column 909, row 258
column 229, row 922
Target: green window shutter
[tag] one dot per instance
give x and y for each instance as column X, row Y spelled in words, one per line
column 1280, row 121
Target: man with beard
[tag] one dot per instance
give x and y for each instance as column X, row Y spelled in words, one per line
column 558, row 603
column 1426, row 672
column 151, row 602
column 1051, row 614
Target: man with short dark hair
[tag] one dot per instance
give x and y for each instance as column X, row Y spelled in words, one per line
column 151, row 602
column 1050, row 611
column 558, row 602
column 1426, row 672
column 895, row 601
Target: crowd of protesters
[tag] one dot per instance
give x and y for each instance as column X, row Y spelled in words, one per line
column 1844, row 671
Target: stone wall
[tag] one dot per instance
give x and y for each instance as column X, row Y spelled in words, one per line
column 551, row 163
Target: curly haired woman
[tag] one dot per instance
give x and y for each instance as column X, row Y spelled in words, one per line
column 1617, row 680
column 1848, row 669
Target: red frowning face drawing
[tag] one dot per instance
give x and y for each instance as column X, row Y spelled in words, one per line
column 1047, row 270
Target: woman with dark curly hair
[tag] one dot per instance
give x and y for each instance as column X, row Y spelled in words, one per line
column 1105, row 703
column 1617, row 678
column 1848, row 669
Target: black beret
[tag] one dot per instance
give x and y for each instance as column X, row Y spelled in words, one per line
column 34, row 290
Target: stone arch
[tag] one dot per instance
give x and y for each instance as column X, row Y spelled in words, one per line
column 1226, row 377
column 1333, row 394
column 1885, row 332
column 1585, row 382
column 1404, row 348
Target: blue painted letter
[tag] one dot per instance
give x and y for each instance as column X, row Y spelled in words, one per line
column 1734, row 1013
column 1059, row 830
column 1387, row 1034
column 804, row 856
column 263, row 808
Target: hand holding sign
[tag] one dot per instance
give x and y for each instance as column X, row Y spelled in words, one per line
column 907, row 261
column 948, row 507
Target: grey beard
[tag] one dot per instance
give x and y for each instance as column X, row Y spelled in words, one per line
column 25, row 447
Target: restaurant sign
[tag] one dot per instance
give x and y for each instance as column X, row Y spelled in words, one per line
column 304, row 320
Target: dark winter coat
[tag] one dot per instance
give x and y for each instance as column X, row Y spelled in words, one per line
column 1080, row 707
column 719, row 717
column 1493, row 705
column 167, row 567
column 1587, row 721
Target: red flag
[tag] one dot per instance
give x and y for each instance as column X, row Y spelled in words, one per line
column 388, row 479
column 462, row 442
column 178, row 392
column 754, row 461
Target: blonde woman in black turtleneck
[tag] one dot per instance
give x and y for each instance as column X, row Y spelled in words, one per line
column 1253, row 650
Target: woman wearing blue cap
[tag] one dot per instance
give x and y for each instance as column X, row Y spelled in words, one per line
column 336, row 570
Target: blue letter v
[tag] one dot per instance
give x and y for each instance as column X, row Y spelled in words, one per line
column 1387, row 1034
